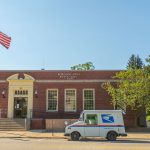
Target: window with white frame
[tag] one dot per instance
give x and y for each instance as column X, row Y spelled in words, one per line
column 89, row 99
column 52, row 100
column 70, row 100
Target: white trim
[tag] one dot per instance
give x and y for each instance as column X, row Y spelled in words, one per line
column 67, row 81
column 15, row 77
column 47, row 101
column 28, row 77
column 15, row 84
column 83, row 80
column 75, row 100
column 93, row 96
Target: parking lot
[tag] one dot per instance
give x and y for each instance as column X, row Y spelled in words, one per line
column 66, row 144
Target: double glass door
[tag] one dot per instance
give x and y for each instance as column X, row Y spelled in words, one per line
column 20, row 107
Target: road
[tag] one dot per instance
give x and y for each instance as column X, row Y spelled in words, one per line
column 64, row 144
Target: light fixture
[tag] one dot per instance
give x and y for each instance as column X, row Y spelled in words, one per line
column 3, row 93
column 36, row 93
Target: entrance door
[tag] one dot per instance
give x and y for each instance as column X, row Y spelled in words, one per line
column 20, row 107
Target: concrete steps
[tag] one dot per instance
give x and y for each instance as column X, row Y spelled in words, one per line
column 7, row 124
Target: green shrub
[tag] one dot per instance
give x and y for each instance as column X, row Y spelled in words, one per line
column 148, row 118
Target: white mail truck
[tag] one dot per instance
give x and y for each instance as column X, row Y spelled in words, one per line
column 97, row 123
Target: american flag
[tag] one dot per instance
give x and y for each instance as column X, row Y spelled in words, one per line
column 5, row 40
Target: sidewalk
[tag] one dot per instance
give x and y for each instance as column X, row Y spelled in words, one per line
column 30, row 134
column 40, row 134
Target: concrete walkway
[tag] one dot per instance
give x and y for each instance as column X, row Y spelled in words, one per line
column 41, row 134
column 30, row 134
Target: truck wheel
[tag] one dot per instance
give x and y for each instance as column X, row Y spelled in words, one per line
column 111, row 136
column 75, row 136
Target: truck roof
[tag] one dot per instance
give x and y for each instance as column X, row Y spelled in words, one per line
column 102, row 111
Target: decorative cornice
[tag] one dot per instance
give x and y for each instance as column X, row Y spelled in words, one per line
column 69, row 81
column 74, row 81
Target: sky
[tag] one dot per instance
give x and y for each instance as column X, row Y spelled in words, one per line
column 58, row 34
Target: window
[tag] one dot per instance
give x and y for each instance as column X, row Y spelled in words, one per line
column 20, row 92
column 88, row 99
column 70, row 100
column 52, row 100
column 91, row 119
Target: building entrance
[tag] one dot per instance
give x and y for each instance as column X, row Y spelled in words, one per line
column 20, row 107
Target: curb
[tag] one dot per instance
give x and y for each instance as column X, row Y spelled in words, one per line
column 35, row 137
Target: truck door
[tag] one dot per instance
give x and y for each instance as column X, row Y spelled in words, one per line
column 107, row 123
column 91, row 127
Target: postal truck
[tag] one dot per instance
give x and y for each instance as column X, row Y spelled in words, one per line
column 97, row 123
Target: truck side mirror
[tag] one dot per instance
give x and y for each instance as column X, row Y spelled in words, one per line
column 86, row 121
column 123, row 112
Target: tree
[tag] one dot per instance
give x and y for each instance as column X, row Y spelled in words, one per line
column 85, row 66
column 117, row 100
column 135, row 62
column 147, row 70
column 131, row 90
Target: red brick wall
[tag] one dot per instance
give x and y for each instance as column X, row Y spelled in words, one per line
column 102, row 100
column 56, row 75
column 3, row 100
column 37, row 124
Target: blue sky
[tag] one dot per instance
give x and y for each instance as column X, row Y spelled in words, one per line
column 57, row 34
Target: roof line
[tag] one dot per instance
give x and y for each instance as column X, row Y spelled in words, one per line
column 57, row 70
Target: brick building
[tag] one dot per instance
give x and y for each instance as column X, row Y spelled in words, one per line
column 54, row 94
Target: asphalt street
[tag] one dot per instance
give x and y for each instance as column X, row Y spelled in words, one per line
column 65, row 144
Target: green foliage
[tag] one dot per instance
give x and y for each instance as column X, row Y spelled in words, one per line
column 133, row 86
column 133, row 89
column 148, row 59
column 147, row 118
column 85, row 66
column 117, row 100
column 135, row 62
column 147, row 70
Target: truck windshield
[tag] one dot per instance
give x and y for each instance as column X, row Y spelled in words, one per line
column 81, row 117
